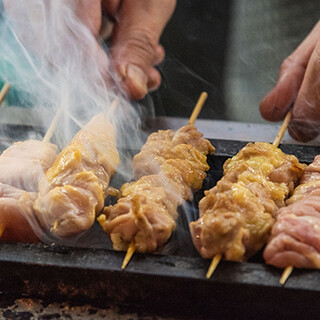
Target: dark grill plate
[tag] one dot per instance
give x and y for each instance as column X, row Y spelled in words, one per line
column 169, row 285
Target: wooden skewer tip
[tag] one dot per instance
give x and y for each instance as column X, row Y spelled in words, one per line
column 129, row 255
column 214, row 263
column 286, row 274
column 55, row 225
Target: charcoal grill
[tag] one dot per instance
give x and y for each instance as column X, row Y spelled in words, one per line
column 164, row 284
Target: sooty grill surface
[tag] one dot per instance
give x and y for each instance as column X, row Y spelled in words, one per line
column 171, row 283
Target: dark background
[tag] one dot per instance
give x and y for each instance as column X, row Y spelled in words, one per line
column 195, row 41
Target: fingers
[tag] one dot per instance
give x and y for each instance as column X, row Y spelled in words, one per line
column 278, row 101
column 89, row 12
column 305, row 124
column 111, row 7
column 135, row 43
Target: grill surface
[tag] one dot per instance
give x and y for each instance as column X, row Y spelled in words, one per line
column 171, row 284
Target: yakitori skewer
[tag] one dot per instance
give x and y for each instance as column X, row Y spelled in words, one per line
column 5, row 89
column 131, row 249
column 46, row 138
column 216, row 259
column 109, row 115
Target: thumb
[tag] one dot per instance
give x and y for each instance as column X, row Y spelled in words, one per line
column 278, row 101
column 305, row 123
column 135, row 43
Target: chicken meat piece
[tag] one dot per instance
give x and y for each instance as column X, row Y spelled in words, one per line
column 21, row 167
column 73, row 190
column 295, row 235
column 23, row 164
column 16, row 214
column 236, row 216
column 165, row 144
column 168, row 169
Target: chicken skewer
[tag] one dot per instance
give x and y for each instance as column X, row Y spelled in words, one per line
column 22, row 166
column 203, row 97
column 168, row 166
column 73, row 190
column 217, row 258
column 5, row 89
column 294, row 237
column 236, row 215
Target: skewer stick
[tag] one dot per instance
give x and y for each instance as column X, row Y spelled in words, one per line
column 213, row 265
column 288, row 270
column 129, row 255
column 216, row 259
column 283, row 129
column 53, row 125
column 286, row 274
column 192, row 120
column 198, row 107
column 5, row 89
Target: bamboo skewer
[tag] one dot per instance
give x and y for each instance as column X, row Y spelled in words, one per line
column 216, row 259
column 203, row 97
column 282, row 129
column 286, row 274
column 213, row 265
column 192, row 119
column 288, row 270
column 5, row 89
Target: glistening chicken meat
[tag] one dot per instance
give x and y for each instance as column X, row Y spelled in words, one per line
column 169, row 167
column 21, row 167
column 73, row 190
column 295, row 237
column 237, row 214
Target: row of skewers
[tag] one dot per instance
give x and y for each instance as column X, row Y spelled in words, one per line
column 236, row 216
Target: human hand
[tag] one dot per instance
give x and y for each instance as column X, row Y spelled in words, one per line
column 298, row 86
column 135, row 46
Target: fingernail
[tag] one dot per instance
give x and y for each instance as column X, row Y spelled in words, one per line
column 138, row 77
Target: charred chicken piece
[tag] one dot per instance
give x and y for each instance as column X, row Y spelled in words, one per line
column 73, row 190
column 236, row 216
column 169, row 167
column 295, row 237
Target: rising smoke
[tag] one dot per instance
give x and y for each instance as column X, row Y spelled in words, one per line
column 50, row 56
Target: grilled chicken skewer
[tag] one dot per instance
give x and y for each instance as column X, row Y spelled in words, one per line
column 169, row 166
column 236, row 215
column 21, row 167
column 294, row 238
column 73, row 190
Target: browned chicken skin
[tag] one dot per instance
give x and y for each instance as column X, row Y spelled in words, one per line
column 236, row 215
column 73, row 190
column 169, row 167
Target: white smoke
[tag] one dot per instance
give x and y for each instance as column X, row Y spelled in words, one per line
column 50, row 56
